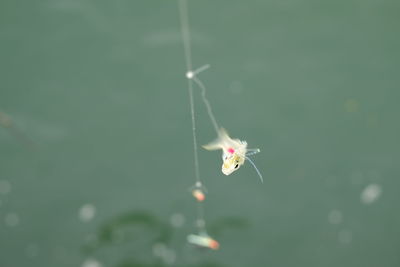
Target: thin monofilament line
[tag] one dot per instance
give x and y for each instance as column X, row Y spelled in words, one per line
column 207, row 103
column 183, row 12
column 195, row 149
column 255, row 167
column 201, row 223
column 188, row 58
column 184, row 18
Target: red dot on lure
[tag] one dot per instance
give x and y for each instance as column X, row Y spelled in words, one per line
column 231, row 150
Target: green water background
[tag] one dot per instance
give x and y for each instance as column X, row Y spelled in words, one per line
column 99, row 87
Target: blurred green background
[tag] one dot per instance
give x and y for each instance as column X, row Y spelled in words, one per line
column 96, row 158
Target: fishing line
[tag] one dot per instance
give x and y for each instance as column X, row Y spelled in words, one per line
column 255, row 167
column 202, row 239
column 184, row 21
column 188, row 58
column 207, row 103
column 192, row 75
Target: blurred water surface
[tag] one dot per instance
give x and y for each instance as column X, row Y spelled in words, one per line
column 96, row 164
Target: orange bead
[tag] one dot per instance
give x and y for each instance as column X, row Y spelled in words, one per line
column 213, row 244
column 198, row 195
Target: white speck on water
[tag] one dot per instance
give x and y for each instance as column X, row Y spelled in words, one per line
column 5, row 187
column 345, row 236
column 189, row 74
column 371, row 193
column 335, row 217
column 91, row 263
column 177, row 220
column 32, row 250
column 87, row 212
column 12, row 219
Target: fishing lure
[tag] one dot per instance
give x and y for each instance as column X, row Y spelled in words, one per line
column 234, row 152
column 203, row 240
